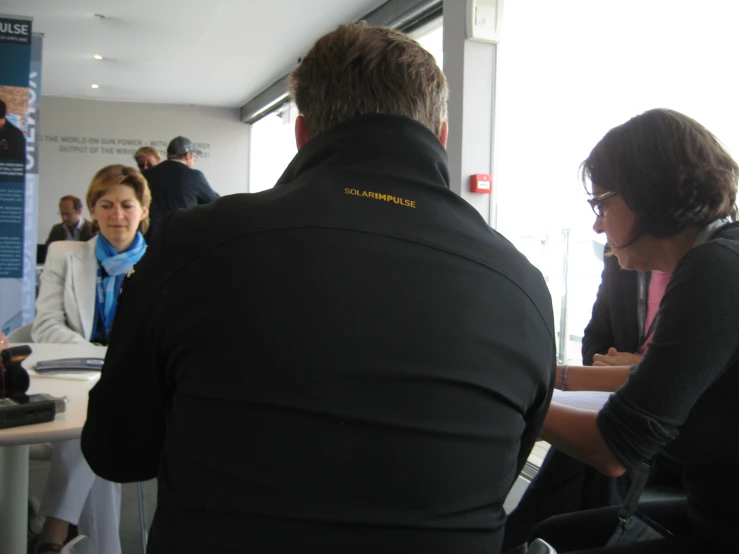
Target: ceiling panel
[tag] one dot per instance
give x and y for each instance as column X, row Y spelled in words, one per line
column 213, row 53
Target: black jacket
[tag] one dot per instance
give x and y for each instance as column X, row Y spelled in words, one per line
column 57, row 232
column 617, row 320
column 174, row 185
column 352, row 361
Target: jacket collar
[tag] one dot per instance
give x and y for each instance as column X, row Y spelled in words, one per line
column 84, row 274
column 400, row 144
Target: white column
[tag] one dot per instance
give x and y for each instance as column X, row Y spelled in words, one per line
column 13, row 498
column 470, row 68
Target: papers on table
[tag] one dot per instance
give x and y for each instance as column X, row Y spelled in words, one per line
column 78, row 369
column 77, row 376
column 586, row 400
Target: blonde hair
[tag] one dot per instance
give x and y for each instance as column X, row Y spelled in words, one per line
column 361, row 70
column 148, row 151
column 118, row 174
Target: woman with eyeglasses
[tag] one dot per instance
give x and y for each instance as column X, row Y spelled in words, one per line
column 664, row 193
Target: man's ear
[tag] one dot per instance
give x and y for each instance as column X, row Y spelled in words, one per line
column 444, row 133
column 302, row 133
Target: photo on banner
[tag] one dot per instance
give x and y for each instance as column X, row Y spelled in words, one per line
column 15, row 53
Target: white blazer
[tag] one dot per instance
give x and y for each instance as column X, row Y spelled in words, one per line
column 65, row 307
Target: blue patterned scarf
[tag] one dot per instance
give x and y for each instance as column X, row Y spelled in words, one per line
column 116, row 264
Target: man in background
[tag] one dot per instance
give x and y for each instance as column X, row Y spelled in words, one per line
column 351, row 361
column 12, row 141
column 175, row 184
column 147, row 157
column 73, row 225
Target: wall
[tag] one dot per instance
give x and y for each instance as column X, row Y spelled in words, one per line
column 78, row 137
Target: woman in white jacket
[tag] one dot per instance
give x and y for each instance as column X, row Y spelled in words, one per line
column 76, row 303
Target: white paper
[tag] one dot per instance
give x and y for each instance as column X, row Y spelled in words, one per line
column 586, row 400
column 76, row 376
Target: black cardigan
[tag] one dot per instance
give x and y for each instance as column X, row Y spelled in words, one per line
column 682, row 397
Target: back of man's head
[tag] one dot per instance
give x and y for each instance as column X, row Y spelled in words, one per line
column 360, row 70
column 3, row 109
column 181, row 148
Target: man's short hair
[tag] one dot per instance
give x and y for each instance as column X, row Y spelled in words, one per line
column 361, row 70
column 3, row 109
column 76, row 202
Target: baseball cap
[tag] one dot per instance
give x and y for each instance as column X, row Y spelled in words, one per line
column 181, row 146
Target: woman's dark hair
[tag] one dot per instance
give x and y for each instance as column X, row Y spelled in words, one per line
column 669, row 169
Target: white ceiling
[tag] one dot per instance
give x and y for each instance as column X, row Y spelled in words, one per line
column 211, row 53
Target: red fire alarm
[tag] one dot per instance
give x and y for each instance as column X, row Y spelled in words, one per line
column 482, row 183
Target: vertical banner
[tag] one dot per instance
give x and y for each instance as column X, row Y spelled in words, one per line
column 30, row 221
column 15, row 53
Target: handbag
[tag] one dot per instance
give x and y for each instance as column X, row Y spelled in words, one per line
column 633, row 525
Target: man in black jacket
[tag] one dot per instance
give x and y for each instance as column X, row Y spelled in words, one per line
column 351, row 361
column 175, row 184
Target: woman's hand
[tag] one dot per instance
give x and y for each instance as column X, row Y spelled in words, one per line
column 3, row 341
column 614, row 357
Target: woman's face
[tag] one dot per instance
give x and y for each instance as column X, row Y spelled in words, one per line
column 617, row 221
column 119, row 213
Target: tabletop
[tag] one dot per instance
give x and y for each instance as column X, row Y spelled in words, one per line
column 76, row 387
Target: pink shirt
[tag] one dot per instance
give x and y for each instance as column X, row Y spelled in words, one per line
column 657, row 285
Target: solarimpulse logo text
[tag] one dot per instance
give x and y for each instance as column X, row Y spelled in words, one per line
column 382, row 197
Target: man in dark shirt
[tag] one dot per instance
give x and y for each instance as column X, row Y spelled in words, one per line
column 73, row 225
column 351, row 361
column 175, row 184
column 12, row 141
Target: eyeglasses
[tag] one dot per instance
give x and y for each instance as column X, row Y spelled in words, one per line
column 597, row 202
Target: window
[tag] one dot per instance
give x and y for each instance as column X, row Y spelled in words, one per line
column 272, row 147
column 431, row 37
column 567, row 73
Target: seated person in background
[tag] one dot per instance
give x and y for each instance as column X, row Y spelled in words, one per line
column 620, row 312
column 73, row 225
column 76, row 303
column 351, row 361
column 624, row 309
column 176, row 184
column 147, row 157
column 664, row 191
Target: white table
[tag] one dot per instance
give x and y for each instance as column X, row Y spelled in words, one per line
column 14, row 441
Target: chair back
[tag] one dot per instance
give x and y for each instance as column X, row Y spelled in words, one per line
column 538, row 546
column 21, row 334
